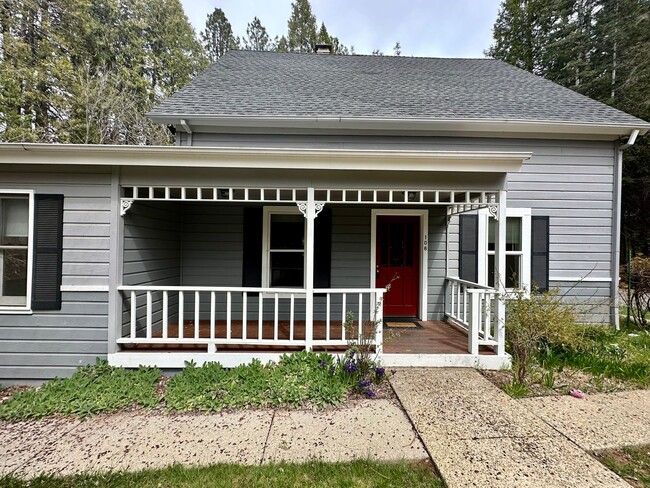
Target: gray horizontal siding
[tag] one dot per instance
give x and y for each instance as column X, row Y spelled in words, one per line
column 39, row 346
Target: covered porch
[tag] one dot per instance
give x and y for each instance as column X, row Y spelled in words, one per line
column 181, row 298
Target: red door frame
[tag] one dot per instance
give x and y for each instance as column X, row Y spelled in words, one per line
column 403, row 299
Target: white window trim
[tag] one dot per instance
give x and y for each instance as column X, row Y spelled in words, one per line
column 424, row 250
column 266, row 239
column 483, row 223
column 27, row 308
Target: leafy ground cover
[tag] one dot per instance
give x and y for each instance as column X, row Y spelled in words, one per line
column 630, row 463
column 603, row 360
column 316, row 474
column 92, row 389
column 301, row 379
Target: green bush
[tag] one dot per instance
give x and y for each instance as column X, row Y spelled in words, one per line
column 533, row 323
column 299, row 379
column 91, row 389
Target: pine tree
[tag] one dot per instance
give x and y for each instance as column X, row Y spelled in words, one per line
column 257, row 39
column 301, row 36
column 397, row 49
column 217, row 38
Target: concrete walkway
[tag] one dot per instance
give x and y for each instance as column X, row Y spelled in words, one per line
column 478, row 436
column 375, row 429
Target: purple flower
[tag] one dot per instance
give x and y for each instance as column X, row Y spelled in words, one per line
column 369, row 393
column 380, row 373
column 350, row 367
column 323, row 363
column 364, row 383
column 332, row 370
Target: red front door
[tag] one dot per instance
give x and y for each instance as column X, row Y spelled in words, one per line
column 398, row 263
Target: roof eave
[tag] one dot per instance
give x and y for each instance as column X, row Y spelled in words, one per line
column 492, row 126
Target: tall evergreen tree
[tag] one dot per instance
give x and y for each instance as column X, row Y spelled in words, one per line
column 257, row 39
column 217, row 38
column 302, row 34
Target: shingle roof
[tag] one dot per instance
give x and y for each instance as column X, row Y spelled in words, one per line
column 249, row 83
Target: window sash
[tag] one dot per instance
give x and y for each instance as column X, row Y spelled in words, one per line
column 13, row 229
column 268, row 271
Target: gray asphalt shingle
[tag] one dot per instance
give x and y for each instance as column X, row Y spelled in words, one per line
column 249, row 83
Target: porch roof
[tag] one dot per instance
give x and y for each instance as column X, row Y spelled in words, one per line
column 264, row 158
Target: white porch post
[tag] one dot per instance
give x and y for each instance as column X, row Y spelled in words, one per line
column 310, row 215
column 500, row 267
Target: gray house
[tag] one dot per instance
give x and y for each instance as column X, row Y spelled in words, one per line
column 300, row 187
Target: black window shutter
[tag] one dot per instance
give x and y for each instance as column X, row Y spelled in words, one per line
column 468, row 251
column 539, row 252
column 48, row 252
column 323, row 249
column 252, row 265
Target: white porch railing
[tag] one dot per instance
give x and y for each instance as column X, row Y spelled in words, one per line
column 213, row 316
column 472, row 307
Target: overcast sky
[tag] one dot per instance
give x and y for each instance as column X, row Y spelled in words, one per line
column 444, row 28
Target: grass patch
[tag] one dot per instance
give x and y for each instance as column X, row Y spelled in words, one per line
column 602, row 360
column 630, row 463
column 92, row 389
column 299, row 379
column 319, row 474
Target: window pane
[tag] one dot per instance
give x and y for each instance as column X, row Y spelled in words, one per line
column 492, row 229
column 513, row 234
column 15, row 221
column 490, row 270
column 513, row 268
column 287, row 269
column 287, row 231
column 397, row 244
column 13, row 263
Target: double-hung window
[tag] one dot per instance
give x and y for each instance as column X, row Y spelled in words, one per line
column 15, row 250
column 517, row 250
column 283, row 261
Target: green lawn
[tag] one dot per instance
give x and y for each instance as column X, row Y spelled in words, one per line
column 313, row 474
column 630, row 463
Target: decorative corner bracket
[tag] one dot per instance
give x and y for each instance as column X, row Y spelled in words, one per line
column 318, row 208
column 493, row 209
column 125, row 206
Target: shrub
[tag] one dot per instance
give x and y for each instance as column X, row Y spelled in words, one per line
column 638, row 301
column 533, row 323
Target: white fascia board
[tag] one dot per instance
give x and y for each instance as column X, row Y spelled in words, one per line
column 263, row 158
column 505, row 127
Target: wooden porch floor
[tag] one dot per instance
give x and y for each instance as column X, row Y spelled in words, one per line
column 431, row 337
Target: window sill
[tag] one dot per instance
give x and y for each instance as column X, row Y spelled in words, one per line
column 15, row 311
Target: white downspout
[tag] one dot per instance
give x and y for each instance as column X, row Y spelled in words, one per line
column 616, row 244
column 186, row 127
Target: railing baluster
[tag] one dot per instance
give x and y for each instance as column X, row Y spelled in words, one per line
column 275, row 318
column 360, row 316
column 165, row 311
column 291, row 312
column 452, row 293
column 228, row 315
column 260, row 317
column 149, row 312
column 213, row 312
column 244, row 315
column 197, row 317
column 327, row 316
column 343, row 314
column 465, row 304
column 181, row 310
column 134, row 314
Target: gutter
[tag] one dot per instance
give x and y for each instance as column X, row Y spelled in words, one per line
column 616, row 224
column 503, row 125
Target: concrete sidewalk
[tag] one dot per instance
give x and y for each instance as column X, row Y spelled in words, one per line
column 478, row 436
column 372, row 429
